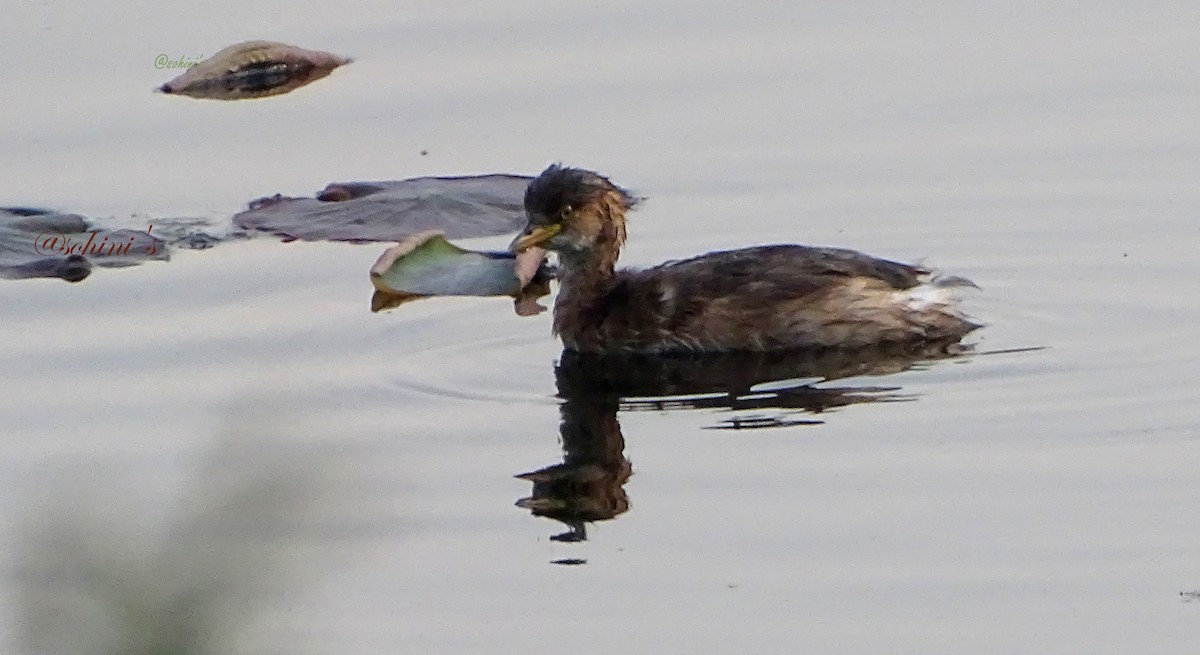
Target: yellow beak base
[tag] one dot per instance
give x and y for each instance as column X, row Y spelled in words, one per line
column 535, row 237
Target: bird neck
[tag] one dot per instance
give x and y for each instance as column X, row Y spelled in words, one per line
column 587, row 273
column 585, row 277
column 591, row 269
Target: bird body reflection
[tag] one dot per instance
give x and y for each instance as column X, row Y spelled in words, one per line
column 588, row 485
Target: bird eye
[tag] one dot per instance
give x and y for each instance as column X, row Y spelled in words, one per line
column 566, row 211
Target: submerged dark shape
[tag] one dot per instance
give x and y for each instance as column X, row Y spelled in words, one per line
column 362, row 212
column 254, row 69
column 40, row 243
column 755, row 299
column 93, row 567
column 757, row 390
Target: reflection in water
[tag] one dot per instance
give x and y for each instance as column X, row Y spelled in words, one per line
column 589, row 483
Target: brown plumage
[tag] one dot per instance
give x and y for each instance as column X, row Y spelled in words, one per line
column 754, row 299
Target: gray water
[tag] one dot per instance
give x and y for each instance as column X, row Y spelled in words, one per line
column 1032, row 501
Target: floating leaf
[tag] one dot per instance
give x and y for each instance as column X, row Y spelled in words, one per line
column 469, row 206
column 426, row 264
column 254, row 69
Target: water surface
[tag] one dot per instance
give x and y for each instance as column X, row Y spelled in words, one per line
column 1029, row 502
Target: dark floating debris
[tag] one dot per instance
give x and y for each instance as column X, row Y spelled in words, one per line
column 364, row 212
column 426, row 264
column 39, row 243
column 254, row 69
column 42, row 243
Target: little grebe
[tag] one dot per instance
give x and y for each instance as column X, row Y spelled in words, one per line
column 753, row 299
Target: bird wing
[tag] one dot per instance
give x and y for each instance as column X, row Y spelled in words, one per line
column 799, row 268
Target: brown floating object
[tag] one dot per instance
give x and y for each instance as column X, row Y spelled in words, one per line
column 254, row 69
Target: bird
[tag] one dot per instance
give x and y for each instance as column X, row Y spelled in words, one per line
column 756, row 299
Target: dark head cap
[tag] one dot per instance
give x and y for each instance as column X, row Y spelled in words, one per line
column 559, row 187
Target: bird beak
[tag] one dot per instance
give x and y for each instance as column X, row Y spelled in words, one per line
column 534, row 236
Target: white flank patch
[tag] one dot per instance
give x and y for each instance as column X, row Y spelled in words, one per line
column 666, row 295
column 926, row 297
